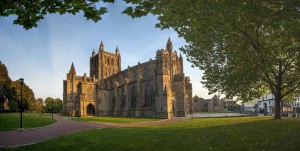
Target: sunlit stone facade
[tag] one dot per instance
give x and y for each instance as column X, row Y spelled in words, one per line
column 157, row 88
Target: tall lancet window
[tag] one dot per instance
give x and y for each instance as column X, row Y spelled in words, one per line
column 123, row 98
column 145, row 73
column 134, row 76
column 133, row 96
column 149, row 99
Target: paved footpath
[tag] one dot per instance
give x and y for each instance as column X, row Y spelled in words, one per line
column 63, row 126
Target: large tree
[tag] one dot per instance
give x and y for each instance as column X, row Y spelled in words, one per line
column 6, row 90
column 38, row 105
column 31, row 11
column 12, row 91
column 55, row 105
column 28, row 98
column 58, row 105
column 244, row 47
column 49, row 104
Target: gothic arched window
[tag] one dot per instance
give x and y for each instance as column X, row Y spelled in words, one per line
column 133, row 96
column 123, row 98
column 149, row 97
column 113, row 103
column 134, row 76
column 145, row 73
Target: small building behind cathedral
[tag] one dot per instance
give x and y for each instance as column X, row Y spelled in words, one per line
column 157, row 88
column 215, row 104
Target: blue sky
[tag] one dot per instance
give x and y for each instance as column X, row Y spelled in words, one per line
column 43, row 55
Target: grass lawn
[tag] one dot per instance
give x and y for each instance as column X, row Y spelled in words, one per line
column 246, row 133
column 114, row 119
column 224, row 111
column 11, row 121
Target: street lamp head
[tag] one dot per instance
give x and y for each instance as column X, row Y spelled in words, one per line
column 21, row 80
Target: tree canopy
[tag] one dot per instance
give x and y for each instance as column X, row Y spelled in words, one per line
column 28, row 98
column 12, row 91
column 30, row 12
column 55, row 105
column 38, row 105
column 6, row 90
column 244, row 47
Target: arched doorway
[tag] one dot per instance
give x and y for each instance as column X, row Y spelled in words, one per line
column 90, row 110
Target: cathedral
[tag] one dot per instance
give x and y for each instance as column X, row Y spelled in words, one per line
column 157, row 88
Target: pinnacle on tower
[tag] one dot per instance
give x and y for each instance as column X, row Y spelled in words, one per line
column 101, row 46
column 72, row 70
column 93, row 53
column 169, row 45
column 117, row 50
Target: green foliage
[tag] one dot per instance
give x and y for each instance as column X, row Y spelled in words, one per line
column 6, row 90
column 245, row 48
column 38, row 105
column 58, row 105
column 12, row 91
column 55, row 105
column 114, row 119
column 11, row 121
column 232, row 105
column 4, row 77
column 252, row 133
column 49, row 104
column 28, row 98
column 30, row 12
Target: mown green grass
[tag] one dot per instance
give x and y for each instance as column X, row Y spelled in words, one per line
column 232, row 134
column 114, row 119
column 11, row 121
column 212, row 112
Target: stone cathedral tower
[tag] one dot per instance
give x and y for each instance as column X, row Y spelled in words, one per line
column 104, row 64
column 157, row 88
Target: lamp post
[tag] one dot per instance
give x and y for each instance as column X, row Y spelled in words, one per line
column 21, row 106
column 52, row 108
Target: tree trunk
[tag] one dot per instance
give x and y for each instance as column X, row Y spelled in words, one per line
column 277, row 107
